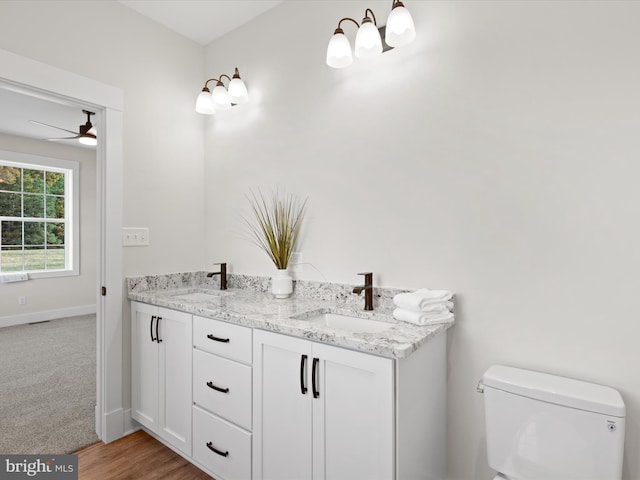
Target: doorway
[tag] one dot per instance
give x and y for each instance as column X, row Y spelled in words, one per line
column 38, row 79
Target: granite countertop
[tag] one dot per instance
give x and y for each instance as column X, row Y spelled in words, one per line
column 254, row 307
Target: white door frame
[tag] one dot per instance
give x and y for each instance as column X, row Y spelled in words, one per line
column 39, row 79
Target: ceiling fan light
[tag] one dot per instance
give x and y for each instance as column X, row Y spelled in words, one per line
column 204, row 103
column 88, row 139
column 400, row 30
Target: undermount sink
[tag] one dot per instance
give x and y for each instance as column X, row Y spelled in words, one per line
column 339, row 321
column 202, row 296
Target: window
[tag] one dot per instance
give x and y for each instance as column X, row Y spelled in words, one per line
column 38, row 215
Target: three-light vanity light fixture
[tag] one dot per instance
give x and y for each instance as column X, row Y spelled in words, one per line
column 398, row 32
column 220, row 99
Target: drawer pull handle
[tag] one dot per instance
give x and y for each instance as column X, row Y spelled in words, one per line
column 303, row 361
column 314, row 371
column 153, row 317
column 218, row 339
column 223, row 390
column 215, row 450
column 158, row 339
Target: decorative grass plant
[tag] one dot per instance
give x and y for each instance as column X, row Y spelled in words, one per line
column 275, row 224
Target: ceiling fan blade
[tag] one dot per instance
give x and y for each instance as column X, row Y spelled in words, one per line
column 64, row 138
column 93, row 131
column 53, row 126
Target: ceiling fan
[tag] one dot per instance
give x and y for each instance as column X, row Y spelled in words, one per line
column 86, row 133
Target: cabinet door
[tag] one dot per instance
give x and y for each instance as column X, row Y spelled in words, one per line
column 144, row 365
column 175, row 359
column 281, row 410
column 353, row 415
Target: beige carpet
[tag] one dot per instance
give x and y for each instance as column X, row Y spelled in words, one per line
column 48, row 386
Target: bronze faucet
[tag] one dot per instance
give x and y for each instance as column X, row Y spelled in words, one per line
column 368, row 290
column 222, row 273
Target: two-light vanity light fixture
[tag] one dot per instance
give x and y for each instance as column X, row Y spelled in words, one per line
column 398, row 32
column 220, row 99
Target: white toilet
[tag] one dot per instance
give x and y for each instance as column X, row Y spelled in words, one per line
column 544, row 427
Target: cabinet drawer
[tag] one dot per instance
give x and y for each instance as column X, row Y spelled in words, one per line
column 224, row 339
column 211, row 374
column 233, row 462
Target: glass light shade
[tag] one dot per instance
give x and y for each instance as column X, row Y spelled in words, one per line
column 88, row 139
column 204, row 104
column 368, row 41
column 339, row 51
column 400, row 29
column 220, row 98
column 238, row 91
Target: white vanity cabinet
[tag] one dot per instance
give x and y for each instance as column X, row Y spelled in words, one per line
column 243, row 403
column 222, row 397
column 321, row 411
column 161, row 355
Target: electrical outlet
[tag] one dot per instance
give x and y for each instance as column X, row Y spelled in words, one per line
column 135, row 237
column 22, row 300
column 296, row 262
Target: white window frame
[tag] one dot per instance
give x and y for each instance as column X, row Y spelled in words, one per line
column 72, row 204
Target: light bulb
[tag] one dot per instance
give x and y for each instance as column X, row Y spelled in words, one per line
column 339, row 50
column 204, row 103
column 368, row 41
column 238, row 91
column 400, row 30
column 88, row 139
column 220, row 98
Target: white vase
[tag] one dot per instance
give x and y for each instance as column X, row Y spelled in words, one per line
column 282, row 284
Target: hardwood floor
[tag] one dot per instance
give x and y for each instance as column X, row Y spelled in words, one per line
column 135, row 457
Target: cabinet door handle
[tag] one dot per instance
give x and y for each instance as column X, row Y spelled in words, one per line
column 158, row 339
column 314, row 372
column 223, row 390
column 218, row 339
column 215, row 450
column 153, row 317
column 303, row 361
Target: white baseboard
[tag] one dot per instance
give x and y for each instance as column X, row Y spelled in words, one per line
column 11, row 320
column 96, row 419
column 113, row 426
column 130, row 425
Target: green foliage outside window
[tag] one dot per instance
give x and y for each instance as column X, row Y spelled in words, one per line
column 32, row 219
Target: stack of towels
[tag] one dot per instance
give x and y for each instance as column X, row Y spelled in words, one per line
column 424, row 307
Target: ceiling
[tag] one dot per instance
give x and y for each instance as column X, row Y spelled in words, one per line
column 18, row 108
column 200, row 20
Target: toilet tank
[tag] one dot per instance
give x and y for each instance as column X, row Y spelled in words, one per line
column 542, row 426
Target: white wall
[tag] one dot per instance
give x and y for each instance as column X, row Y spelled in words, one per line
column 57, row 295
column 497, row 156
column 161, row 74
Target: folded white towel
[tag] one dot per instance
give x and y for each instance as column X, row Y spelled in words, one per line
column 419, row 318
column 420, row 299
column 443, row 307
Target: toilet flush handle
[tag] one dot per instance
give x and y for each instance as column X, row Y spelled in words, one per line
column 480, row 387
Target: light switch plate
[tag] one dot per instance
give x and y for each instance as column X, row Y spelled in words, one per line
column 135, row 236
